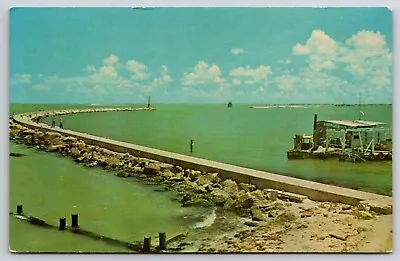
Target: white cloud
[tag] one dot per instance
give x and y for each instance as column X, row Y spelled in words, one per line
column 299, row 49
column 203, row 73
column 105, row 73
column 21, row 79
column 138, row 70
column 287, row 82
column 380, row 78
column 40, row 87
column 236, row 81
column 111, row 59
column 364, row 55
column 321, row 49
column 237, row 51
column 251, row 75
column 90, row 68
column 163, row 79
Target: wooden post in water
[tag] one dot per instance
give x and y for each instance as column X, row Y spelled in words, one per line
column 62, row 224
column 146, row 244
column 315, row 121
column 162, row 241
column 74, row 222
column 315, row 134
column 19, row 209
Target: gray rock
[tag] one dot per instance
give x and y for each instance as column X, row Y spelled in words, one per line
column 251, row 223
column 256, row 214
column 177, row 169
column 152, row 169
column 245, row 201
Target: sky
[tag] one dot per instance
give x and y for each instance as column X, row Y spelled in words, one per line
column 200, row 55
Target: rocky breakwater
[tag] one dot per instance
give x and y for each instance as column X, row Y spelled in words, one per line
column 248, row 218
column 36, row 116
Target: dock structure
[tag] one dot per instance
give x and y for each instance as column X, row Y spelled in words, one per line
column 354, row 140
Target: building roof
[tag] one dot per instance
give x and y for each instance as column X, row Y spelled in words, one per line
column 355, row 123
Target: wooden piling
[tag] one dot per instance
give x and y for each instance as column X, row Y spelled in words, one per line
column 162, row 241
column 62, row 224
column 19, row 209
column 74, row 222
column 146, row 244
column 315, row 122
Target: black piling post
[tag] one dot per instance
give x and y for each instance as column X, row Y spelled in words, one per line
column 315, row 122
column 62, row 224
column 19, row 209
column 146, row 244
column 191, row 145
column 74, row 222
column 315, row 134
column 162, row 241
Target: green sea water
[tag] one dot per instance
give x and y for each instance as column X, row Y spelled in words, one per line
column 51, row 187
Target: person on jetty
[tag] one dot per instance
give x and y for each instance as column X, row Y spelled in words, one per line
column 53, row 121
column 61, row 124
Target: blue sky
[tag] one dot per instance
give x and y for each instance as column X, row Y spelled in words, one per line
column 200, row 55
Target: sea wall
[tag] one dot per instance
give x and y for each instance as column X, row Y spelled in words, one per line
column 260, row 179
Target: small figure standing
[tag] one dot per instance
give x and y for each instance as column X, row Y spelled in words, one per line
column 191, row 145
column 53, row 121
column 61, row 124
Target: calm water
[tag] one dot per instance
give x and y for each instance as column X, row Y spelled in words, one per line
column 50, row 187
column 255, row 138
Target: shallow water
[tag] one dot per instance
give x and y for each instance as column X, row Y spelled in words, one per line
column 51, row 187
column 254, row 138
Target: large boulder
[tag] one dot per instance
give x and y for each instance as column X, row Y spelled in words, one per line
column 229, row 186
column 74, row 152
column 167, row 174
column 53, row 138
column 28, row 139
column 257, row 214
column 219, row 197
column 258, row 195
column 152, row 169
column 69, row 139
column 193, row 174
column 165, row 166
column 113, row 162
column 247, row 187
column 197, row 201
column 244, row 201
column 55, row 148
column 177, row 169
column 208, row 179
